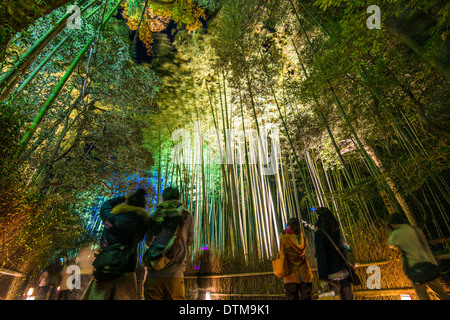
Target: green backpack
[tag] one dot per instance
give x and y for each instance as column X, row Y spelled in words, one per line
column 111, row 261
column 159, row 256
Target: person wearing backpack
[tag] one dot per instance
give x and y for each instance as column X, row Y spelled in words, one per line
column 170, row 232
column 332, row 265
column 125, row 224
column 419, row 263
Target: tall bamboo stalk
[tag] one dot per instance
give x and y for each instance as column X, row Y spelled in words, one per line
column 42, row 113
column 12, row 76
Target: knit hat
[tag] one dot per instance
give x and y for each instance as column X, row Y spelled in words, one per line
column 171, row 193
column 137, row 199
column 167, row 209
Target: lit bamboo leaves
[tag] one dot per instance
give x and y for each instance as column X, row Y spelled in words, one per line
column 236, row 37
column 158, row 15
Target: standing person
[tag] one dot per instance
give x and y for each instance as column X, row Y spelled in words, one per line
column 332, row 268
column 43, row 286
column 415, row 251
column 169, row 219
column 293, row 247
column 125, row 223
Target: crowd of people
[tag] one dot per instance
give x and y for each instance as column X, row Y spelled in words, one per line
column 169, row 231
column 335, row 269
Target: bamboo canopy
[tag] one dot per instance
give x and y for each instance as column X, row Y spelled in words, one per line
column 255, row 110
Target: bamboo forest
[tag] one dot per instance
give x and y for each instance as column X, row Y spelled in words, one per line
column 257, row 111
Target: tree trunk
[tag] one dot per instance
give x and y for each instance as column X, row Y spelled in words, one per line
column 400, row 199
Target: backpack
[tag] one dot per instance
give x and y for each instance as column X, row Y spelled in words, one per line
column 158, row 256
column 111, row 261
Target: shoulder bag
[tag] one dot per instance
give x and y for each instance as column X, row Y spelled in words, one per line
column 280, row 266
column 158, row 257
column 111, row 261
column 351, row 270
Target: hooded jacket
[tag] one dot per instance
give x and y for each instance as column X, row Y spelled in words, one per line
column 167, row 210
column 293, row 247
column 123, row 224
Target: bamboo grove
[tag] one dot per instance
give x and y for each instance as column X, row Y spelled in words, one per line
column 260, row 82
column 257, row 110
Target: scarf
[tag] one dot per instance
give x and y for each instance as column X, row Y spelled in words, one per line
column 290, row 231
column 167, row 209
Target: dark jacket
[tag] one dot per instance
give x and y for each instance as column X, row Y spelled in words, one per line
column 329, row 261
column 123, row 224
column 167, row 210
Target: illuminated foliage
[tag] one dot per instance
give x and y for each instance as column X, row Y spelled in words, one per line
column 157, row 17
column 359, row 111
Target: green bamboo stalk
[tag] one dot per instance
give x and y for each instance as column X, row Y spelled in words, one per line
column 373, row 163
column 252, row 211
column 366, row 81
column 33, row 127
column 231, row 188
column 222, row 217
column 336, row 147
column 261, row 179
column 46, row 59
column 11, row 77
column 39, row 67
column 308, row 192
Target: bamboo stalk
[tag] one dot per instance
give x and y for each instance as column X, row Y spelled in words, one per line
column 373, row 164
column 33, row 127
column 46, row 59
column 11, row 77
column 12, row 273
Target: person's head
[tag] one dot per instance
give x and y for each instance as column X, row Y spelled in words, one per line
column 167, row 215
column 137, row 199
column 171, row 193
column 294, row 224
column 326, row 220
column 394, row 220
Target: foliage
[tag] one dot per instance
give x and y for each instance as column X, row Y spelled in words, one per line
column 157, row 17
column 14, row 13
column 79, row 146
column 340, row 88
column 209, row 4
column 358, row 110
column 35, row 228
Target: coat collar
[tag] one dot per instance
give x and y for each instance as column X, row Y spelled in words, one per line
column 125, row 208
